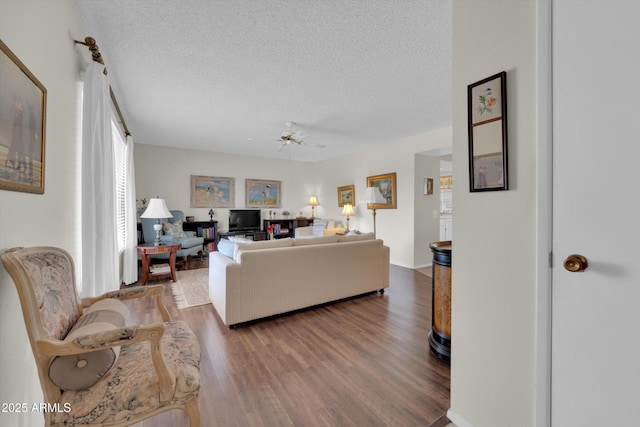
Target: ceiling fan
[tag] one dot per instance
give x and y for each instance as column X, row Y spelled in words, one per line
column 290, row 137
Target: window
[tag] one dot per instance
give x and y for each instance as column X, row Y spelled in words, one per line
column 120, row 169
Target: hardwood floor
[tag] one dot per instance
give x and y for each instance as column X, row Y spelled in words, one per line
column 361, row 362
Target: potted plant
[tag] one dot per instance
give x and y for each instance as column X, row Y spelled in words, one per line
column 286, row 214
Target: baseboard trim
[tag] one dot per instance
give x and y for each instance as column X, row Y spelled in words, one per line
column 457, row 419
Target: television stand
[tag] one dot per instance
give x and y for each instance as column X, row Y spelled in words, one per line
column 247, row 234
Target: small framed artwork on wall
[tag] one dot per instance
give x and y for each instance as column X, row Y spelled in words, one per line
column 346, row 195
column 487, row 116
column 386, row 183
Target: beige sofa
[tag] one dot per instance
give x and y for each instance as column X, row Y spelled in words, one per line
column 277, row 276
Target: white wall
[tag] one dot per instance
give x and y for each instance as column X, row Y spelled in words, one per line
column 426, row 226
column 394, row 226
column 494, row 252
column 166, row 172
column 41, row 34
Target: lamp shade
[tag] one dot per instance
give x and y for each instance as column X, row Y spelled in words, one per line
column 157, row 209
column 313, row 201
column 372, row 196
column 347, row 210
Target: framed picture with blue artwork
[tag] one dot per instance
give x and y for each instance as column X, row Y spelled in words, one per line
column 386, row 183
column 262, row 193
column 212, row 192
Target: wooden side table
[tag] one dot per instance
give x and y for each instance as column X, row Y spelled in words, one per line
column 149, row 249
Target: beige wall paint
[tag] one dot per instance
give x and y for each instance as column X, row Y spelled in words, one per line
column 494, row 253
column 41, row 34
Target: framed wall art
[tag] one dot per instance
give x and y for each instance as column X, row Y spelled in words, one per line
column 23, row 106
column 212, row 192
column 386, row 183
column 428, row 186
column 347, row 194
column 262, row 193
column 487, row 116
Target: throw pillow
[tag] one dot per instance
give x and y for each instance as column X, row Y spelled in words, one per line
column 174, row 229
column 81, row 371
column 226, row 248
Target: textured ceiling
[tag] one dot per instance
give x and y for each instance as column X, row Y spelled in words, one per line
column 227, row 75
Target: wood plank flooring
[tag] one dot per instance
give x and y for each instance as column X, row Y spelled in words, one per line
column 361, row 362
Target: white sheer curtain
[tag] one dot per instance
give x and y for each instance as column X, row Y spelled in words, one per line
column 130, row 268
column 99, row 244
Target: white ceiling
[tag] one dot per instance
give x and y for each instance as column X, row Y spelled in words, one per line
column 226, row 75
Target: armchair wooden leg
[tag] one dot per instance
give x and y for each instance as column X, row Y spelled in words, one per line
column 192, row 408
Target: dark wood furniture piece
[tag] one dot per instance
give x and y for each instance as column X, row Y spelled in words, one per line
column 206, row 229
column 249, row 234
column 148, row 249
column 287, row 226
column 440, row 334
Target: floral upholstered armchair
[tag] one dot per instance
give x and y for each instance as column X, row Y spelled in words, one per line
column 100, row 370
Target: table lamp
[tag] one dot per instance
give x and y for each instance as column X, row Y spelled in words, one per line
column 372, row 196
column 157, row 209
column 313, row 202
column 347, row 210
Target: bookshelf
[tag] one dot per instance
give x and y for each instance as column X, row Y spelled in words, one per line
column 206, row 229
column 285, row 227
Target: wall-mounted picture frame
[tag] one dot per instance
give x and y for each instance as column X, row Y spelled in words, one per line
column 428, row 186
column 487, row 117
column 212, row 192
column 23, row 112
column 386, row 183
column 262, row 193
column 346, row 194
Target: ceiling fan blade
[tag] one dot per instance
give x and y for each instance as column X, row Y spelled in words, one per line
column 281, row 147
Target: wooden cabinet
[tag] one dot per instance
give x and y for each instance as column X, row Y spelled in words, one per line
column 251, row 235
column 206, row 229
column 285, row 227
column 440, row 334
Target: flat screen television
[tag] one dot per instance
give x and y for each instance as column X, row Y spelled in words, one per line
column 244, row 219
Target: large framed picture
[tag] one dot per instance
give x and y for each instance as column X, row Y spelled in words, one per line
column 262, row 193
column 347, row 194
column 487, row 115
column 212, row 192
column 23, row 106
column 386, row 183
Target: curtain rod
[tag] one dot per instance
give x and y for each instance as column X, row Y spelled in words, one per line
column 90, row 42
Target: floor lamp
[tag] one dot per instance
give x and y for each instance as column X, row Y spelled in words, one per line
column 372, row 196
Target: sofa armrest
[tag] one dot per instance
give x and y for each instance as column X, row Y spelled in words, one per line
column 225, row 277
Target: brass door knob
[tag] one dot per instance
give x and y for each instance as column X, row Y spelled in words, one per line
column 575, row 263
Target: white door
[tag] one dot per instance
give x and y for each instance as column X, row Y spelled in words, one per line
column 596, row 213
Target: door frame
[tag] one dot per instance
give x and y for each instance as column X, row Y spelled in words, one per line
column 544, row 225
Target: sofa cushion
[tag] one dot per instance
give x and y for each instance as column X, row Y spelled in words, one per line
column 226, row 247
column 335, row 230
column 173, row 229
column 81, row 371
column 332, row 238
column 261, row 244
column 355, row 237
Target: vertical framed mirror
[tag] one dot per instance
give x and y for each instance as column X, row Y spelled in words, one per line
column 487, row 111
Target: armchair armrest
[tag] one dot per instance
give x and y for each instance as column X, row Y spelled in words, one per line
column 113, row 338
column 132, row 293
